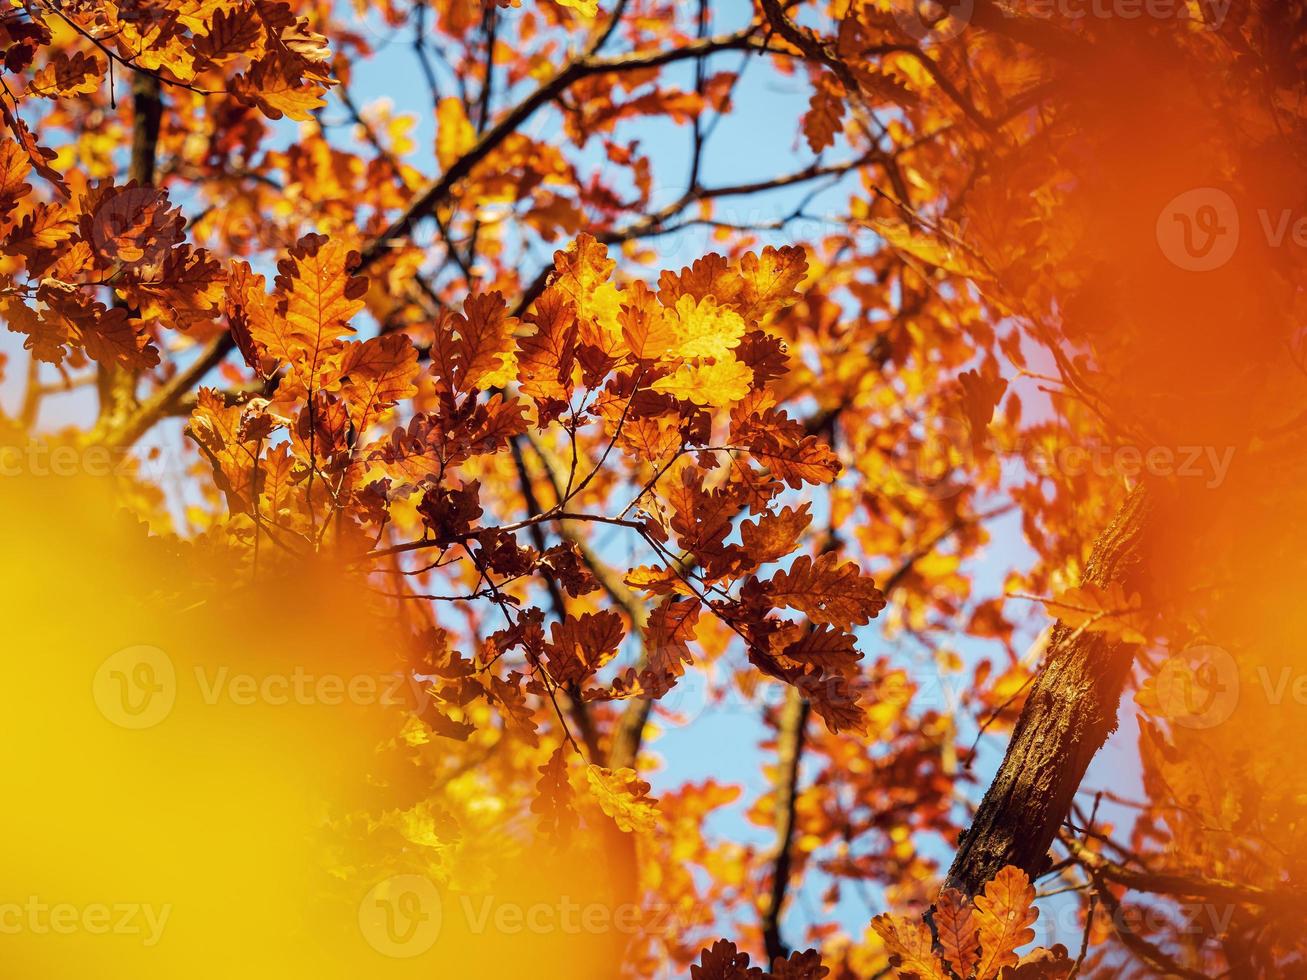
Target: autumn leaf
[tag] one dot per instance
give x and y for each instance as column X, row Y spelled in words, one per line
column 667, row 638
column 624, row 797
column 582, row 644
column 1093, row 609
column 805, row 965
column 378, row 374
column 1041, row 964
column 716, row 383
column 829, row 649
column 554, row 798
column 769, row 281
column 825, row 113
column 586, row 8
column 67, row 75
column 216, row 428
column 773, row 536
column 485, row 331
column 826, row 591
column 454, row 132
column 582, row 274
column 1004, row 914
column 14, row 169
column 909, row 944
column 275, row 86
column 958, row 930
column 545, row 357
column 938, row 249
column 649, row 329
column 704, row 329
column 316, row 297
column 724, row 961
column 230, row 35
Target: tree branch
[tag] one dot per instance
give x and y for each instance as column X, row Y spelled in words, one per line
column 789, row 755
column 1071, row 709
column 440, row 189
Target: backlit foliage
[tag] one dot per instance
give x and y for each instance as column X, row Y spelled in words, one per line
column 425, row 384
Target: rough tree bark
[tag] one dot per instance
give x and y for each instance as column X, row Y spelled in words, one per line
column 1070, row 711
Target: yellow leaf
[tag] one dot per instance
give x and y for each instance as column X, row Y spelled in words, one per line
column 583, row 273
column 586, row 8
column 719, row 384
column 454, row 133
column 705, row 329
column 939, row 251
column 623, row 796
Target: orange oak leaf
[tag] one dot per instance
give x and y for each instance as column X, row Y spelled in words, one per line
column 79, row 73
column 826, row 591
column 959, row 932
column 580, row 645
column 316, row 298
column 378, row 373
column 667, row 638
column 773, row 536
column 909, row 944
column 1004, row 914
column 474, row 349
column 824, row 116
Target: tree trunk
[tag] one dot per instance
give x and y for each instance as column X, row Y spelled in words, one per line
column 1071, row 709
column 116, row 385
